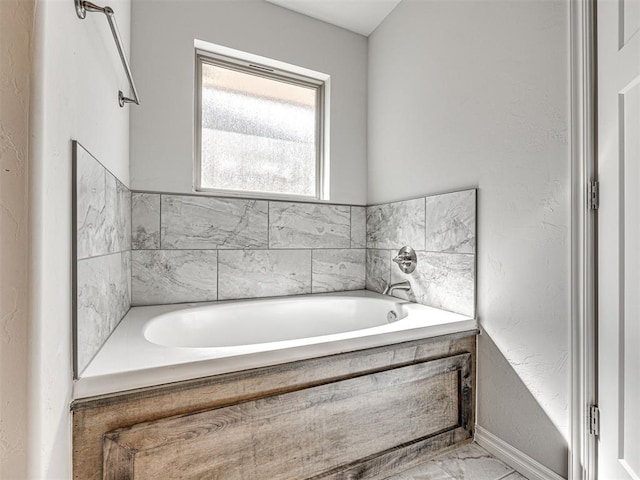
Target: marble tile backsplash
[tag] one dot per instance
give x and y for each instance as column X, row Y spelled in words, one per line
column 263, row 273
column 173, row 276
column 189, row 248
column 442, row 230
column 103, row 254
column 307, row 225
column 103, row 209
column 338, row 269
column 212, row 223
column 358, row 227
column 393, row 225
column 145, row 228
column 450, row 224
column 441, row 280
column 103, row 298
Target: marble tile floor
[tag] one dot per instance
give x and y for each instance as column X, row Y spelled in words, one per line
column 469, row 462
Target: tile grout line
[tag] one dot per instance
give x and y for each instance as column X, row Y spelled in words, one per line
column 131, row 253
column 78, row 260
column 160, row 225
column 350, row 227
column 425, row 224
column 247, row 249
column 217, row 275
column 366, row 248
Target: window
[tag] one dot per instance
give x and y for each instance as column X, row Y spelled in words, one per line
column 259, row 129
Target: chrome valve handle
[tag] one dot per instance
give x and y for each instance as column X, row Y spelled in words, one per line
column 406, row 259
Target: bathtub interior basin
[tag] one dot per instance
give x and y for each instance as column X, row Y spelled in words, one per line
column 265, row 321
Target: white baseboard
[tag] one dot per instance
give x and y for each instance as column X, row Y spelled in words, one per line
column 513, row 457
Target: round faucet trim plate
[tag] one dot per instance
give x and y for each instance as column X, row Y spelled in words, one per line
column 406, row 259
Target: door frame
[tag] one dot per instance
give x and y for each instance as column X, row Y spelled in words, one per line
column 583, row 38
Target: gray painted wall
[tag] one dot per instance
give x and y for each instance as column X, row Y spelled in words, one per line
column 76, row 76
column 16, row 29
column 163, row 66
column 466, row 93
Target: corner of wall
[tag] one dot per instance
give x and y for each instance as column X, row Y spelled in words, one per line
column 75, row 80
column 16, row 31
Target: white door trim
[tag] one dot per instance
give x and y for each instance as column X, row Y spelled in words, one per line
column 582, row 452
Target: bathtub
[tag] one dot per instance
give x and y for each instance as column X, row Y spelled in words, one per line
column 154, row 345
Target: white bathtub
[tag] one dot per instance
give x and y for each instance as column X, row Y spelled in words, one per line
column 167, row 343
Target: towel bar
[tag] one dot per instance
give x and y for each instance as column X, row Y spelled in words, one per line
column 84, row 6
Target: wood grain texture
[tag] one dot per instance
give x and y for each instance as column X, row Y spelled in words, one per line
column 298, row 434
column 93, row 417
column 118, row 462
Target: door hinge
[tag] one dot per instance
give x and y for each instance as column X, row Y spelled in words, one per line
column 594, row 420
column 593, row 195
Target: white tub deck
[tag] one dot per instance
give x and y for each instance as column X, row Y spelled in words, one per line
column 128, row 360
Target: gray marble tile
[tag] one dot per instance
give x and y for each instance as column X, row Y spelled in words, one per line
column 191, row 222
column 394, row 225
column 104, row 297
column 513, row 476
column 145, row 220
column 472, row 462
column 378, row 264
column 90, row 205
column 103, row 209
column 120, row 213
column 173, row 276
column 426, row 471
column 358, row 227
column 309, row 225
column 336, row 270
column 451, row 222
column 442, row 280
column 263, row 273
column 469, row 462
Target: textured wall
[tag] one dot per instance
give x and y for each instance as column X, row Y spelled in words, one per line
column 163, row 64
column 476, row 93
column 16, row 26
column 77, row 74
column 197, row 248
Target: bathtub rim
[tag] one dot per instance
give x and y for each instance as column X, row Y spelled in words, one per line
column 120, row 382
column 141, row 393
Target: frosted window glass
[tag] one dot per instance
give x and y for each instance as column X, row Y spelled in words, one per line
column 257, row 134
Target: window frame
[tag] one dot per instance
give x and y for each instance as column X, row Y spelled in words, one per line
column 272, row 70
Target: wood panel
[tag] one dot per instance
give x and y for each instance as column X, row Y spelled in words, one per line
column 95, row 416
column 299, row 434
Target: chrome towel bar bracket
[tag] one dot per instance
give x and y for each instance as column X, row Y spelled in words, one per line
column 84, row 6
